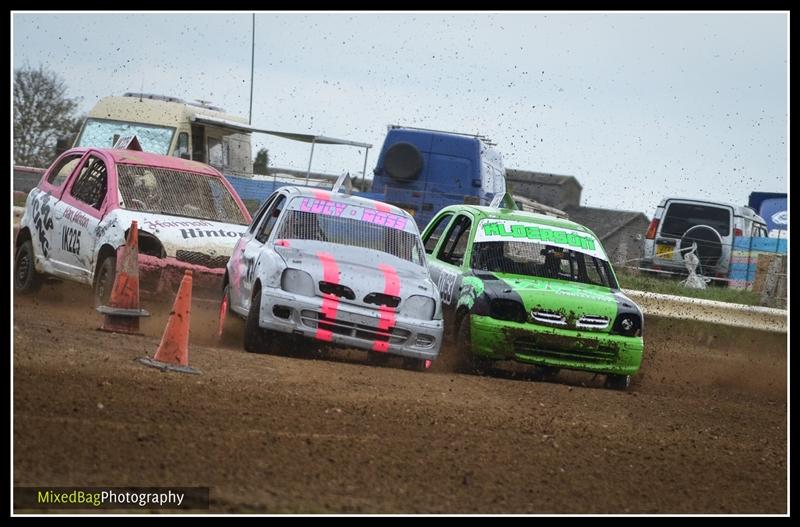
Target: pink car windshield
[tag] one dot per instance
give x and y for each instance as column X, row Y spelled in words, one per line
column 177, row 193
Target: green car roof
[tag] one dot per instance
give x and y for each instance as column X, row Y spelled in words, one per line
column 482, row 212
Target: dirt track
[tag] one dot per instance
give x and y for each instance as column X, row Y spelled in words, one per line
column 703, row 429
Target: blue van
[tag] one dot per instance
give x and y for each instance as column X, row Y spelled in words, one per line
column 423, row 171
column 419, row 170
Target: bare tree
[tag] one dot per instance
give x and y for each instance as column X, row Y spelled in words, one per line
column 42, row 114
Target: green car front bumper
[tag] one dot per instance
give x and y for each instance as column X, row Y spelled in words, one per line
column 560, row 348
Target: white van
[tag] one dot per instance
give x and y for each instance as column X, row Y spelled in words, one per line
column 713, row 226
column 170, row 126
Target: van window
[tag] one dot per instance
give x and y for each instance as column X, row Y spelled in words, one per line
column 214, row 152
column 105, row 132
column 182, row 148
column 198, row 144
column 680, row 217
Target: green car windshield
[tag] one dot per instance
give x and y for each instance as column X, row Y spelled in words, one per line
column 541, row 260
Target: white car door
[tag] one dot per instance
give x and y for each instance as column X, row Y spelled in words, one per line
column 245, row 254
column 77, row 216
column 47, row 210
column 237, row 266
column 253, row 249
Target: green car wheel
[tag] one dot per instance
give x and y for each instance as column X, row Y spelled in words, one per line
column 469, row 361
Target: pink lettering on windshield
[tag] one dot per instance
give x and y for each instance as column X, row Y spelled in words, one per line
column 322, row 206
column 334, row 208
column 383, row 218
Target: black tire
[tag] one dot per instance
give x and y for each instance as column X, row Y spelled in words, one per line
column 414, row 364
column 469, row 361
column 255, row 337
column 547, row 373
column 618, row 382
column 104, row 281
column 709, row 247
column 26, row 279
column 377, row 358
column 223, row 328
column 403, row 162
column 304, row 347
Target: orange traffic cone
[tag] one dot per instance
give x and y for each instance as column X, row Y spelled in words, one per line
column 122, row 315
column 173, row 352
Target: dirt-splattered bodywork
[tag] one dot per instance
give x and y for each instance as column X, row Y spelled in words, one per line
column 71, row 237
column 338, row 269
column 529, row 318
column 200, row 246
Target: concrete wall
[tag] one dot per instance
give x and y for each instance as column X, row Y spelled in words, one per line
column 26, row 178
column 560, row 196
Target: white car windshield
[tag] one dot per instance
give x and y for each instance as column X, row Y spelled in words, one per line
column 177, row 193
column 354, row 225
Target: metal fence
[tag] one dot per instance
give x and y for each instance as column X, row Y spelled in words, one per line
column 767, row 278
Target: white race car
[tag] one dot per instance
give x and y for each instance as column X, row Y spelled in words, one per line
column 336, row 268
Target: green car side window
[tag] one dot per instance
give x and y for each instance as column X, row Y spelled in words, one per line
column 433, row 235
column 455, row 243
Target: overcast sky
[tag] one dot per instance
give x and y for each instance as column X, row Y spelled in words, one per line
column 637, row 106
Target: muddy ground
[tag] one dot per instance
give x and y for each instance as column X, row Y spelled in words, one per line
column 702, row 429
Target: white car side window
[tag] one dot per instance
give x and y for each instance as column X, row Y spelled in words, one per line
column 272, row 217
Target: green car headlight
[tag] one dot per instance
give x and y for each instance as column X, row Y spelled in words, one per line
column 507, row 309
column 628, row 325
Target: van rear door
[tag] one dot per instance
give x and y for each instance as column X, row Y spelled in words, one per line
column 680, row 216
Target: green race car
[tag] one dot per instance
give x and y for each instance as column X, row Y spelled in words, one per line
column 534, row 289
